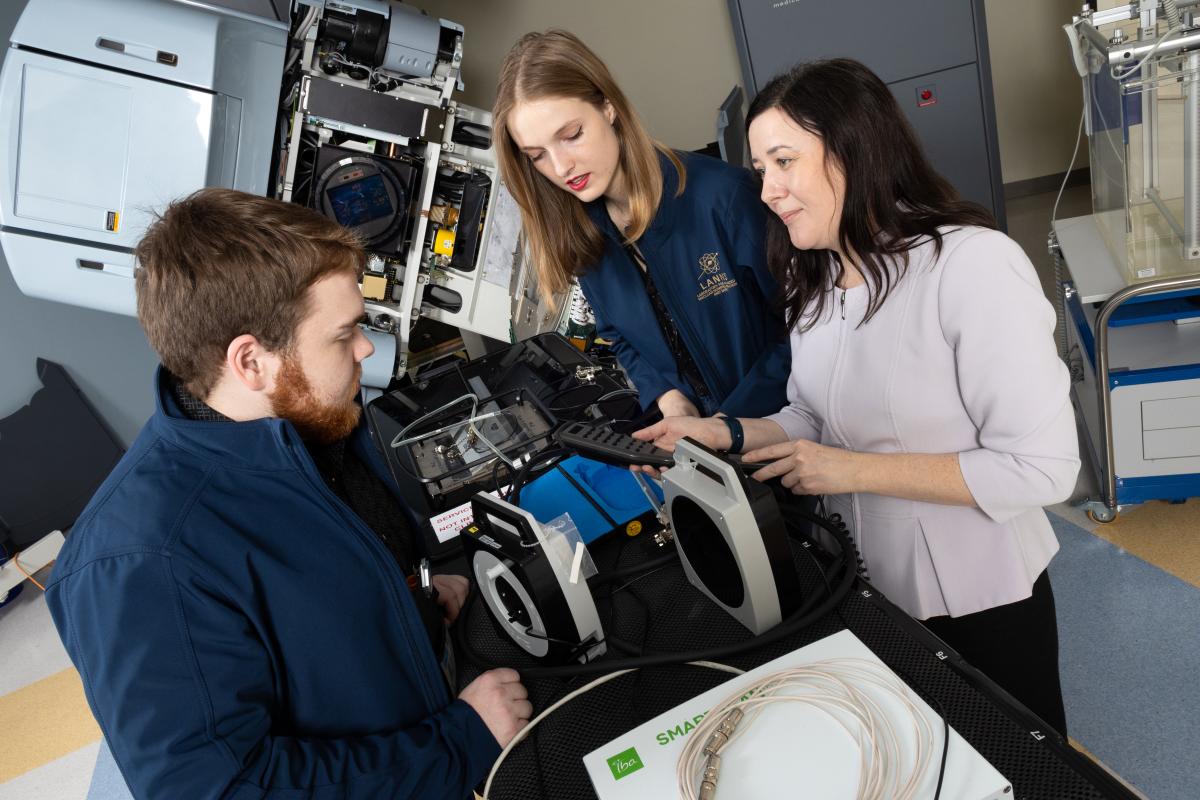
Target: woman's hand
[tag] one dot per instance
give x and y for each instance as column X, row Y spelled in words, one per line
column 809, row 468
column 674, row 403
column 708, row 431
column 806, row 467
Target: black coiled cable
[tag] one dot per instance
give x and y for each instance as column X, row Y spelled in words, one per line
column 836, row 520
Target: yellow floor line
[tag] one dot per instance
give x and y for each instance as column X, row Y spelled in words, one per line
column 42, row 722
column 1164, row 534
column 1106, row 768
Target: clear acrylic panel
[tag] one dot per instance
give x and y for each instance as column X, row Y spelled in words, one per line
column 1143, row 146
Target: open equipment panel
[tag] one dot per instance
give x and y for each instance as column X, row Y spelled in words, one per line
column 373, row 139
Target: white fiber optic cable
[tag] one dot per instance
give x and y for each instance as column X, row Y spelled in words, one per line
column 399, row 441
column 836, row 688
column 524, row 732
column 1118, row 75
column 1071, row 166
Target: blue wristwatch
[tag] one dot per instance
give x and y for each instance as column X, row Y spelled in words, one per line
column 736, row 434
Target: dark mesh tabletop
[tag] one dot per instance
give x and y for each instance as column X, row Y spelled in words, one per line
column 662, row 612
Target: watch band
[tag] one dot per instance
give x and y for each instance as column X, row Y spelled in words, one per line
column 736, row 434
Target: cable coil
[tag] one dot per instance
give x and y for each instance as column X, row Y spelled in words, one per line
column 836, row 688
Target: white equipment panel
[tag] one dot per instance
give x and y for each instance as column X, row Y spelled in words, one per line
column 110, row 110
column 99, row 173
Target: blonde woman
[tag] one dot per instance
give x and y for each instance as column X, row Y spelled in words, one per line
column 668, row 247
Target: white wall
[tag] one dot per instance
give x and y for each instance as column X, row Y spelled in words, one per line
column 675, row 59
column 1038, row 95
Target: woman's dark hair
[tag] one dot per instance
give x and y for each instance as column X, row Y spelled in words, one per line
column 894, row 199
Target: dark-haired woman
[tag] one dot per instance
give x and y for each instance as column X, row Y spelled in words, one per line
column 927, row 402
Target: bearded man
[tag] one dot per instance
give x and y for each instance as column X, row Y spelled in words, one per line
column 239, row 597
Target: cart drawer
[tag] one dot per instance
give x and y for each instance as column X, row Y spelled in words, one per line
column 1171, row 428
column 1169, row 413
column 1171, row 443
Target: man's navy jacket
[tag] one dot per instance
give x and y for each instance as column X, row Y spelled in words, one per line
column 241, row 633
column 705, row 252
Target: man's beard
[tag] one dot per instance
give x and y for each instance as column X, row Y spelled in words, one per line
column 317, row 422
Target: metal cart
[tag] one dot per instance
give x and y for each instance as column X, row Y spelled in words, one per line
column 1128, row 304
column 1134, row 352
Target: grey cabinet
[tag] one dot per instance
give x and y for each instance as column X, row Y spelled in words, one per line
column 915, row 46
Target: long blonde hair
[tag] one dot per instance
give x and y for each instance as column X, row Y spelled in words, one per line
column 562, row 238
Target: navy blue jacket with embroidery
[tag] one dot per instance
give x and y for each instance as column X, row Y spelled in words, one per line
column 706, row 254
column 241, row 633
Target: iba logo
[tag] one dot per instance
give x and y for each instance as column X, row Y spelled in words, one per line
column 625, row 763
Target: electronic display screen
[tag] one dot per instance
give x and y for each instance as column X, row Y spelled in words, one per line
column 361, row 201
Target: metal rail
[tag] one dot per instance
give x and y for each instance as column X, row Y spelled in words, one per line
column 1109, row 490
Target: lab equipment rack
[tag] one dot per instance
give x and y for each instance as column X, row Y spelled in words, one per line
column 1134, row 352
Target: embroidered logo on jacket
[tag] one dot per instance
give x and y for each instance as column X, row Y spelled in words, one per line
column 713, row 280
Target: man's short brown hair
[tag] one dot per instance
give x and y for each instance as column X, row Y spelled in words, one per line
column 222, row 263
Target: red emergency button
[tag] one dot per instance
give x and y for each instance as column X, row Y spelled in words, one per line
column 926, row 95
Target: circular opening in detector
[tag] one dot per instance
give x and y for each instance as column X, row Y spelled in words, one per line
column 704, row 546
column 513, row 607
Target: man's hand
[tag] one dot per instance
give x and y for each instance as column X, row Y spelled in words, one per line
column 452, row 593
column 674, row 403
column 501, row 701
column 809, row 468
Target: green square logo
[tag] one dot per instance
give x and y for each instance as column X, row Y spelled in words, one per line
column 625, row 763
